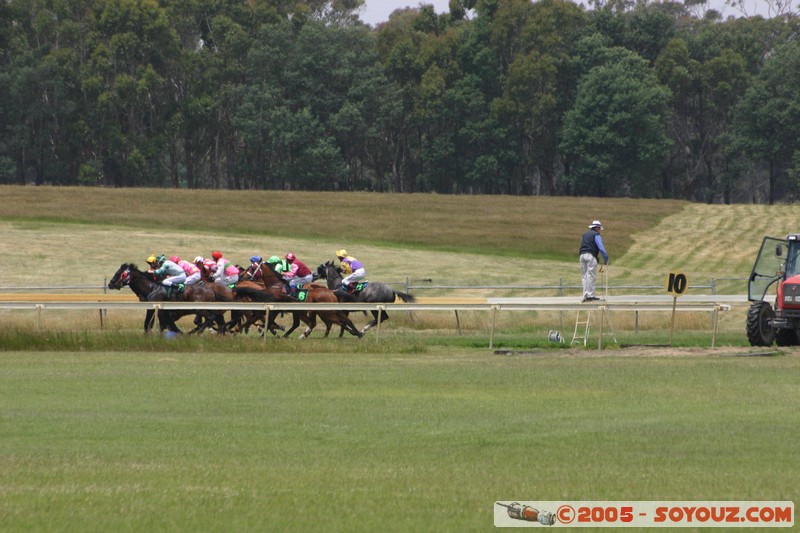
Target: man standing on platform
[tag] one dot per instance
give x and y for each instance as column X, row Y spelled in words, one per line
column 590, row 250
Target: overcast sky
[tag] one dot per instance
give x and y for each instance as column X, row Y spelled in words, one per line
column 377, row 11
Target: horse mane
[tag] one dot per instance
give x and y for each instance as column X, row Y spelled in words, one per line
column 280, row 278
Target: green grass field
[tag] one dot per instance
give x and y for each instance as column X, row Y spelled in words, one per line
column 248, row 441
column 420, row 430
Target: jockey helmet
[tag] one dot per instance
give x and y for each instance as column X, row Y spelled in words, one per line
column 290, row 256
column 274, row 259
column 160, row 259
column 175, row 259
column 341, row 253
column 255, row 259
column 199, row 259
column 216, row 255
column 151, row 259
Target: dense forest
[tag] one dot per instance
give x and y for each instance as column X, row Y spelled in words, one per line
column 635, row 98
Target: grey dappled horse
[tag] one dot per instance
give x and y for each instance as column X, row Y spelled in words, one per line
column 374, row 292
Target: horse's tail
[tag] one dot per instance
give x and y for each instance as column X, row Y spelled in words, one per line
column 256, row 294
column 407, row 298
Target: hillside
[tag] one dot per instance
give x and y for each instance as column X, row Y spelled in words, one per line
column 81, row 235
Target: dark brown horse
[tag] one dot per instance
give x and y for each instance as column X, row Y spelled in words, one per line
column 277, row 289
column 147, row 289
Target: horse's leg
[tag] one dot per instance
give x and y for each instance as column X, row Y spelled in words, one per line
column 351, row 328
column 372, row 323
column 234, row 325
column 328, row 324
column 296, row 317
column 312, row 323
column 245, row 320
column 219, row 320
column 149, row 319
column 271, row 325
column 200, row 322
column 166, row 322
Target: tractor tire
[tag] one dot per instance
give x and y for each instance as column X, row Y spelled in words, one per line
column 759, row 333
column 786, row 337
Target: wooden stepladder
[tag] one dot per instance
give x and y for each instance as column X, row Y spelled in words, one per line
column 582, row 326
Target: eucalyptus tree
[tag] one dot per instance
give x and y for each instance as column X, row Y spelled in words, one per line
column 765, row 120
column 538, row 87
column 42, row 46
column 614, row 137
column 399, row 44
column 124, row 84
column 703, row 94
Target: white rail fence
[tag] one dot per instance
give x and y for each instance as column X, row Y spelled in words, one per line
column 418, row 286
column 506, row 305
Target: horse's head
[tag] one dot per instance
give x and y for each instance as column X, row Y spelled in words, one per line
column 247, row 274
column 320, row 273
column 122, row 277
column 332, row 271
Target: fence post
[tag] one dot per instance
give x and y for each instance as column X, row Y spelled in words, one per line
column 494, row 321
column 561, row 313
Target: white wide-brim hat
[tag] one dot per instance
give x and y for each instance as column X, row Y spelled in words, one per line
column 596, row 224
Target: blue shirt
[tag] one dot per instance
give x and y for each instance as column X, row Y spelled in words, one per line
column 598, row 240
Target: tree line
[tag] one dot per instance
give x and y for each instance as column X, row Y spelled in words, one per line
column 635, row 98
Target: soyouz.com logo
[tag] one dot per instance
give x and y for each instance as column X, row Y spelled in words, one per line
column 748, row 514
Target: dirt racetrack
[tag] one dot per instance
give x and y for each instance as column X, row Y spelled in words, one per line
column 623, row 350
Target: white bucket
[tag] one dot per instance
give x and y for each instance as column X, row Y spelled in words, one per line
column 555, row 336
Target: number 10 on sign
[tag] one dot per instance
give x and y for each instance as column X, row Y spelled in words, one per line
column 676, row 285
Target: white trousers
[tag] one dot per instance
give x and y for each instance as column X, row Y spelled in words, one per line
column 191, row 280
column 174, row 280
column 357, row 275
column 227, row 280
column 588, row 274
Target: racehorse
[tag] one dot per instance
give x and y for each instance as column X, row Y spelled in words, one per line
column 374, row 292
column 148, row 290
column 277, row 289
column 242, row 320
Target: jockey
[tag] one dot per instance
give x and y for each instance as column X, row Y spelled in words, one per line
column 193, row 274
column 255, row 268
column 226, row 272
column 206, row 266
column 172, row 274
column 282, row 269
column 352, row 267
column 299, row 274
column 280, row 266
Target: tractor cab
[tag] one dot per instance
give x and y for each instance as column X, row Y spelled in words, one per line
column 769, row 267
column 778, row 262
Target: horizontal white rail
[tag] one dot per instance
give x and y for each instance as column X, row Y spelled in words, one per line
column 299, row 306
column 507, row 304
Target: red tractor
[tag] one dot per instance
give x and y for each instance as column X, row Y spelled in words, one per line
column 777, row 263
